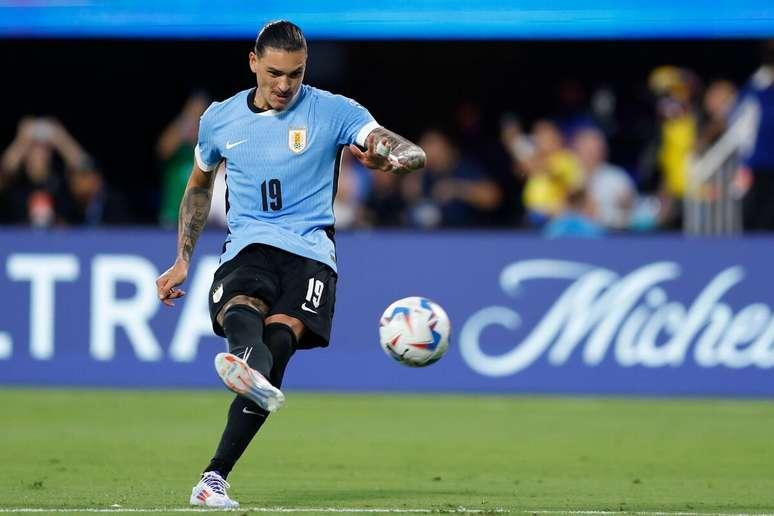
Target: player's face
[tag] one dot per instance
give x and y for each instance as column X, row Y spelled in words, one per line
column 279, row 74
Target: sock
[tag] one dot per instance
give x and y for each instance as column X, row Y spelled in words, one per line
column 244, row 420
column 243, row 327
column 281, row 341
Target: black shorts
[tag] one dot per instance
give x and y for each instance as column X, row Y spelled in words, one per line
column 289, row 284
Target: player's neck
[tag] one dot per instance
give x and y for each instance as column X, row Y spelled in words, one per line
column 258, row 104
column 253, row 101
column 257, row 101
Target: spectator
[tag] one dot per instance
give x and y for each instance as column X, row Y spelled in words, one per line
column 32, row 169
column 675, row 90
column 577, row 220
column 175, row 150
column 551, row 170
column 91, row 202
column 572, row 109
column 474, row 140
column 385, row 205
column 719, row 101
column 756, row 113
column 609, row 188
column 353, row 185
column 452, row 190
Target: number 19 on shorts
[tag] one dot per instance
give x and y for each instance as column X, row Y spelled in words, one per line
column 314, row 292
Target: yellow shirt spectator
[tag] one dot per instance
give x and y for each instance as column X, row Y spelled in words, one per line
column 678, row 138
column 548, row 187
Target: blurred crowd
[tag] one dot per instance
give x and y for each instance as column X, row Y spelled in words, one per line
column 555, row 175
column 552, row 175
column 47, row 179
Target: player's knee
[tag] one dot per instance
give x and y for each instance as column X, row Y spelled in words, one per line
column 240, row 324
column 296, row 326
column 244, row 301
column 240, row 317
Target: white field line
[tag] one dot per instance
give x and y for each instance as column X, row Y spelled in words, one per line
column 643, row 513
column 459, row 510
column 242, row 510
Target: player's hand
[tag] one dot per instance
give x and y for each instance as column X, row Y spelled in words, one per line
column 381, row 160
column 166, row 284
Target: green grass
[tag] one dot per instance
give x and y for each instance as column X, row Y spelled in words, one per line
column 144, row 449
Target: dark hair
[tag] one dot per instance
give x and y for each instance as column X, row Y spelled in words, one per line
column 282, row 35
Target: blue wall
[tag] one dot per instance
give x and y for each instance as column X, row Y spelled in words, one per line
column 390, row 19
column 650, row 316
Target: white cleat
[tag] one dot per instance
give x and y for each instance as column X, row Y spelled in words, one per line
column 211, row 492
column 247, row 382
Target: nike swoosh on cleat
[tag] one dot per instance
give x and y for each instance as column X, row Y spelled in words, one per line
column 304, row 307
column 230, row 145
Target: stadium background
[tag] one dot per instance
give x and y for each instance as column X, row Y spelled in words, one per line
column 684, row 321
column 117, row 80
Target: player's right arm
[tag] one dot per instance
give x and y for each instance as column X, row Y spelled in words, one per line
column 374, row 146
column 390, row 152
column 194, row 208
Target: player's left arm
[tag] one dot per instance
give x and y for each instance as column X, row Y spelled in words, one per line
column 390, row 152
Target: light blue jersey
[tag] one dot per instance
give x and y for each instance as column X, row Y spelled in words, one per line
column 281, row 168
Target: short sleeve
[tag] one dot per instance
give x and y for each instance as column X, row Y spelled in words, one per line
column 356, row 122
column 206, row 151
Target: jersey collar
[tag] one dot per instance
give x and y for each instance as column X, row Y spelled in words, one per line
column 269, row 112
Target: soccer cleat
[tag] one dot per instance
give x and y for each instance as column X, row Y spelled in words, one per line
column 247, row 382
column 211, row 492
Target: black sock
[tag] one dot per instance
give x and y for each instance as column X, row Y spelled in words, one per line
column 243, row 327
column 244, row 420
column 281, row 341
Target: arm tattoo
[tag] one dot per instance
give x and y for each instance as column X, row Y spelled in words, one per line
column 410, row 155
column 194, row 209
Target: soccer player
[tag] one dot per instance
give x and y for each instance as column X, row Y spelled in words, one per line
column 274, row 290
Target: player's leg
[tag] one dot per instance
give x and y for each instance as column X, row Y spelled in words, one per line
column 242, row 291
column 282, row 335
column 245, row 417
column 244, row 420
column 242, row 320
column 246, row 368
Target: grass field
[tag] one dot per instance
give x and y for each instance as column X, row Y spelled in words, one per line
column 143, row 450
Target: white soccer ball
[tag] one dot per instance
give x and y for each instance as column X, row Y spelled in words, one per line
column 414, row 331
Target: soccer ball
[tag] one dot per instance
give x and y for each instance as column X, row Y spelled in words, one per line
column 414, row 331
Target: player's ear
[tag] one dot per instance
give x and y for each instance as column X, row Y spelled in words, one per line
column 253, row 62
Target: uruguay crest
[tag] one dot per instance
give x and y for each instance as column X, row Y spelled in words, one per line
column 297, row 140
